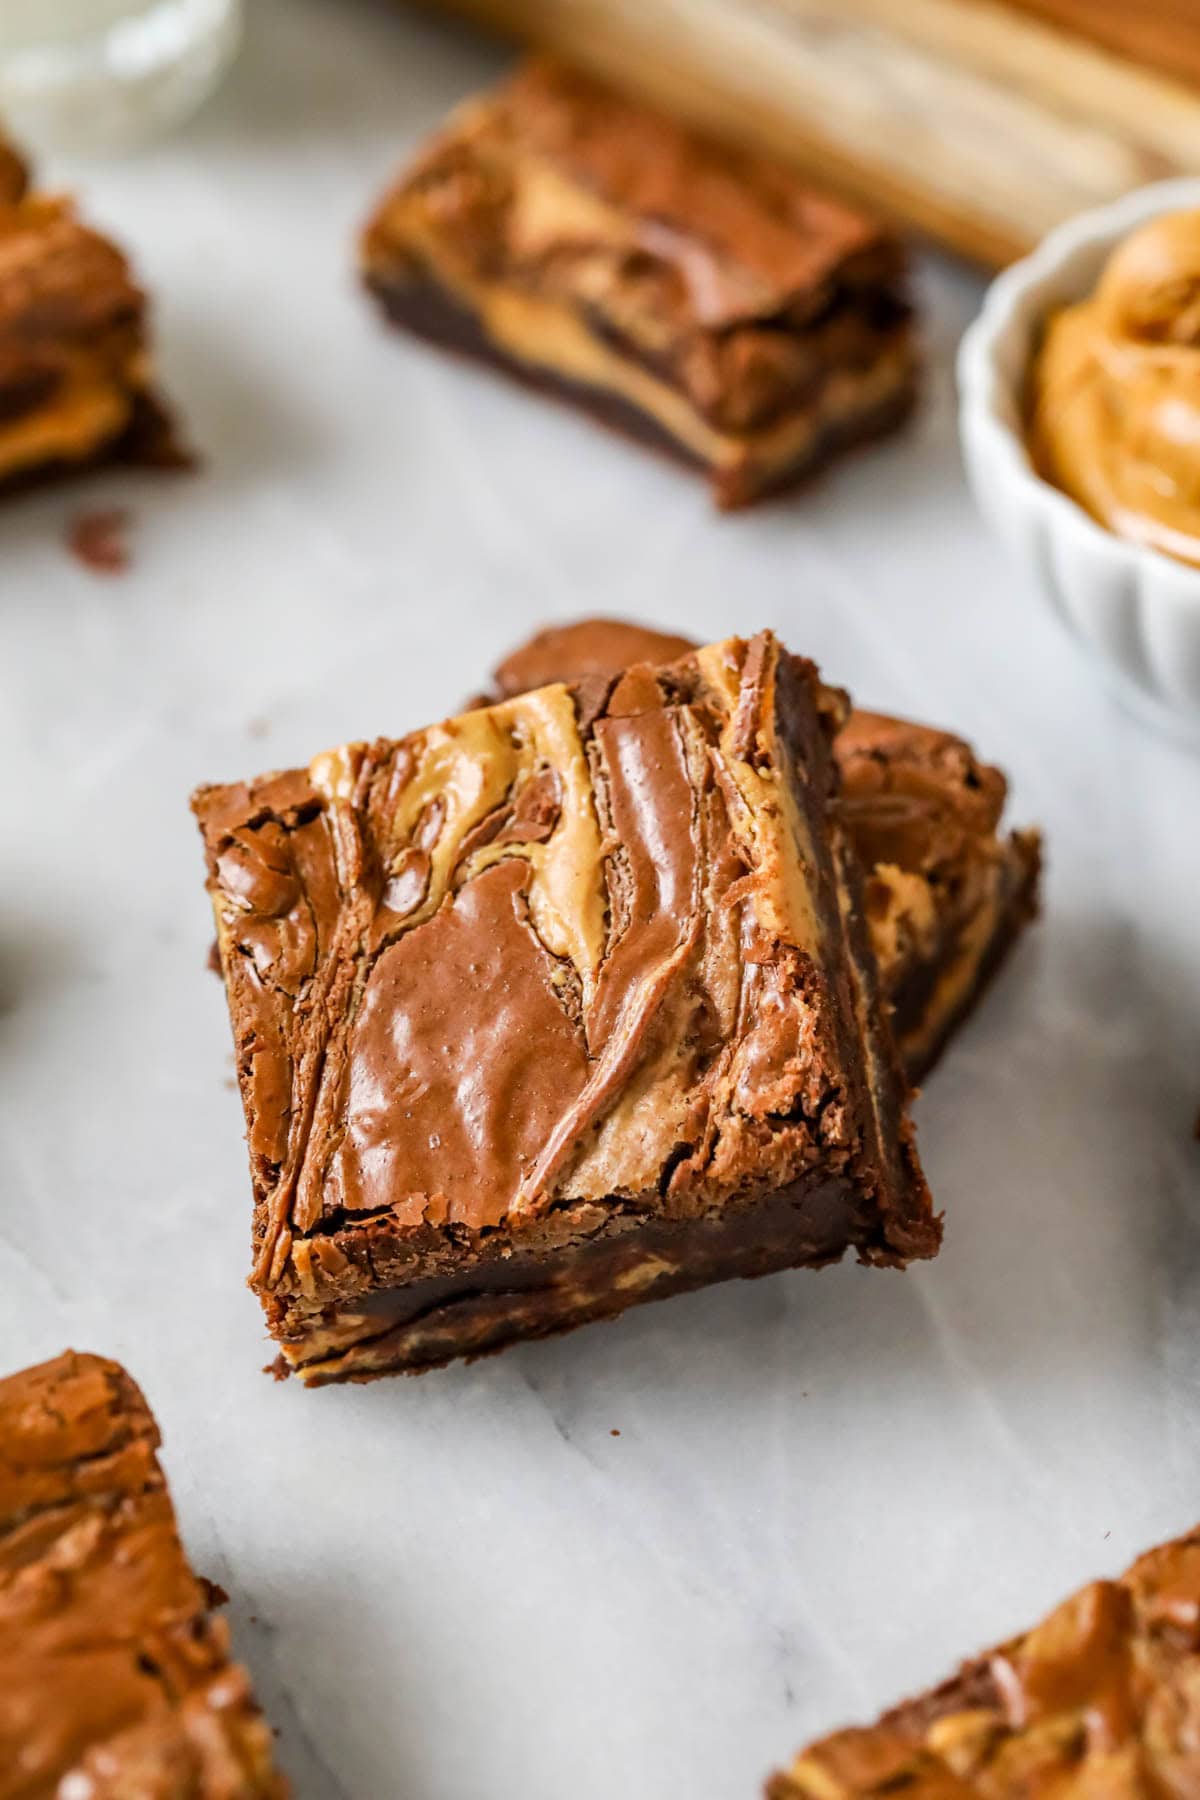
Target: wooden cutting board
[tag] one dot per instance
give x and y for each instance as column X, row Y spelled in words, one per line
column 978, row 123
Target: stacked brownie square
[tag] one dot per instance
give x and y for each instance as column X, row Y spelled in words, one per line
column 565, row 1004
column 947, row 893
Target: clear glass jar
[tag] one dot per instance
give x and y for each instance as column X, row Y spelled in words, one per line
column 93, row 74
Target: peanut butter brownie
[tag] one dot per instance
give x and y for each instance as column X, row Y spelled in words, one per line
column 76, row 378
column 705, row 300
column 559, row 1006
column 947, row 892
column 1102, row 1699
column 115, row 1678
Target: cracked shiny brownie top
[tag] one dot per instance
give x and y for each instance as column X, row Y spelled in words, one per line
column 521, row 992
column 115, row 1678
column 706, row 299
column 1101, row 1701
column 947, row 891
column 76, row 377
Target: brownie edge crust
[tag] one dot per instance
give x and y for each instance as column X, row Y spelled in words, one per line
column 1101, row 1699
column 559, row 1006
column 116, row 1681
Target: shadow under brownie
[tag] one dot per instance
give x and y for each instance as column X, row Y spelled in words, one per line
column 115, row 1677
column 947, row 894
column 703, row 300
column 560, row 1006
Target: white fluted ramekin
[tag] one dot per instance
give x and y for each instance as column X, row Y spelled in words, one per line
column 1135, row 610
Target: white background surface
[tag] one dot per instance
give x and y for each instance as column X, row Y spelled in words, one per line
column 826, row 1487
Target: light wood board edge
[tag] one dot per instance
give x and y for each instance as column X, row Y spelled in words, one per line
column 961, row 119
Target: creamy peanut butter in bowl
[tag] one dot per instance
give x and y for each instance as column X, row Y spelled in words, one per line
column 1079, row 389
column 1115, row 416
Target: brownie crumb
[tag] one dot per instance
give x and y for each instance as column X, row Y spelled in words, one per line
column 98, row 541
column 614, row 1432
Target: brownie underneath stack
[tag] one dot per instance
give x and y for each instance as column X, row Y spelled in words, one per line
column 115, row 1679
column 947, row 894
column 559, row 1006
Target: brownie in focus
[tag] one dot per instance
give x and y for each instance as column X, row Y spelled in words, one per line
column 947, row 893
column 1102, row 1699
column 704, row 300
column 77, row 383
column 562, row 1005
column 115, row 1678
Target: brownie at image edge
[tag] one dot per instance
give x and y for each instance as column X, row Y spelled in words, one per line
column 1101, row 1699
column 947, row 893
column 116, row 1681
column 77, row 380
column 559, row 1006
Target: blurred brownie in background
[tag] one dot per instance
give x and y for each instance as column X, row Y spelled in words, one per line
column 703, row 299
column 116, row 1681
column 947, row 892
column 76, row 375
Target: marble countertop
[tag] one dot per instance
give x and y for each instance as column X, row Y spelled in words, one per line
column 825, row 1488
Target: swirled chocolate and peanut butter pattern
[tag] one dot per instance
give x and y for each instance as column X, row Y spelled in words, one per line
column 116, row 1681
column 947, row 893
column 704, row 300
column 558, row 1005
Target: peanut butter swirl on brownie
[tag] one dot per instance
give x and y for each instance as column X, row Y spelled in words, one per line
column 706, row 300
column 947, row 893
column 557, row 1006
column 1101, row 1700
column 76, row 376
column 115, row 1678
